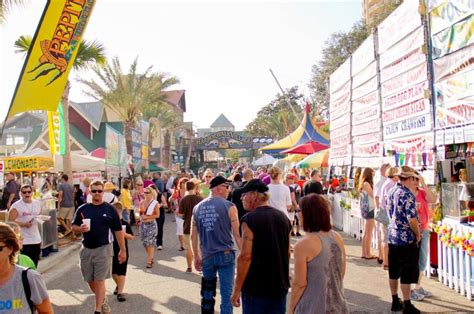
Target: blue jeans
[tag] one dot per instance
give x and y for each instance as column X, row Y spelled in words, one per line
column 424, row 250
column 263, row 305
column 222, row 263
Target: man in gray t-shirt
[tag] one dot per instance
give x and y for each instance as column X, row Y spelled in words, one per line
column 65, row 204
column 214, row 222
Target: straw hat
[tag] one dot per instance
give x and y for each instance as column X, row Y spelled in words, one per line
column 407, row 172
column 109, row 186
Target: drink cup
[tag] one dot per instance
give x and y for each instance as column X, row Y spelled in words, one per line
column 87, row 222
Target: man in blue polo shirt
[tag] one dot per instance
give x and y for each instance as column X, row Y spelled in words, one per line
column 96, row 253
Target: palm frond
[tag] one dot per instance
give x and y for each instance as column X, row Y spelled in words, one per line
column 23, row 44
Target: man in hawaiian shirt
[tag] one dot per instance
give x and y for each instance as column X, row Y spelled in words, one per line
column 403, row 239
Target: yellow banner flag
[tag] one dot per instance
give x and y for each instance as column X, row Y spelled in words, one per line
column 54, row 133
column 51, row 55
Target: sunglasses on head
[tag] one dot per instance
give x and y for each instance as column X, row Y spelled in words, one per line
column 97, row 191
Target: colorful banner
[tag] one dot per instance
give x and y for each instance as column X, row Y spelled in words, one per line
column 365, row 88
column 340, row 76
column 405, row 96
column 363, row 55
column 460, row 61
column 136, row 150
column 366, row 74
column 449, row 13
column 407, row 127
column 413, row 41
column 460, row 112
column 51, row 56
column 365, row 115
column 415, row 108
column 366, row 101
column 455, row 88
column 112, row 147
column 454, row 38
column 145, row 128
column 54, row 132
column 407, row 62
column 397, row 25
column 411, row 77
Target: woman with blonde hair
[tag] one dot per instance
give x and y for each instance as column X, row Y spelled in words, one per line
column 149, row 211
column 206, row 182
column 280, row 196
column 367, row 207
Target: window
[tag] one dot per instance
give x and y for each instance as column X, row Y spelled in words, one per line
column 9, row 140
column 19, row 140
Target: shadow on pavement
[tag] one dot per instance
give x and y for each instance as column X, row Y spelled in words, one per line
column 181, row 305
column 363, row 302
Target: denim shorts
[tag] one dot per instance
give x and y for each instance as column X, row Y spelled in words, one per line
column 424, row 250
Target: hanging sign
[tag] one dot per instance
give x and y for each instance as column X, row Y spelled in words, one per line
column 460, row 112
column 397, row 25
column 340, row 76
column 366, row 101
column 341, row 110
column 366, row 88
column 53, row 130
column 342, row 92
column 366, row 127
column 457, row 62
column 28, row 164
column 411, row 77
column 455, row 88
column 367, row 150
column 339, row 151
column 411, row 60
column 136, row 150
column 405, row 96
column 448, row 137
column 340, row 131
column 367, row 138
column 439, row 137
column 403, row 48
column 453, row 38
column 363, row 76
column 363, row 55
column 415, row 108
column 78, row 177
column 344, row 121
column 459, row 135
column 340, row 140
column 418, row 143
column 365, row 115
column 336, row 105
column 449, row 13
column 407, row 127
column 469, row 133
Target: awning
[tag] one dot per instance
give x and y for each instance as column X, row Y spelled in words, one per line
column 316, row 160
column 307, row 148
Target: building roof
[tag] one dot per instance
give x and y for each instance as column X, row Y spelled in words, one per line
column 176, row 98
column 37, row 115
column 91, row 111
column 222, row 122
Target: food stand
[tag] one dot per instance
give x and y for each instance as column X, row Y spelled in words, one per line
column 27, row 166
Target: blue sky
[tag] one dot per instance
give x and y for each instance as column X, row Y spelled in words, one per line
column 221, row 51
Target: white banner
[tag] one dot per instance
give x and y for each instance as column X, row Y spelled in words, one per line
column 409, row 78
column 455, row 88
column 344, row 121
column 340, row 76
column 340, row 140
column 449, row 13
column 366, row 88
column 439, row 137
column 365, row 115
column 412, row 109
column 367, row 138
column 339, row 151
column 336, row 105
column 366, row 127
column 457, row 62
column 407, row 62
column 469, row 133
column 364, row 55
column 448, row 136
column 459, row 136
column 410, row 43
column 366, row 101
column 340, row 132
column 460, row 112
column 405, row 96
column 367, row 150
column 397, row 25
column 411, row 144
column 407, row 127
column 341, row 92
column 77, row 177
column 366, row 74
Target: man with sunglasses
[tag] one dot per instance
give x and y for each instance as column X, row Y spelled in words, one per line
column 97, row 251
column 24, row 212
column 215, row 220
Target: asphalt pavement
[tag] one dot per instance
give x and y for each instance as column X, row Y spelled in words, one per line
column 166, row 288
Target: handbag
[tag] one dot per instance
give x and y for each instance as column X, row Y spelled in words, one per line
column 382, row 216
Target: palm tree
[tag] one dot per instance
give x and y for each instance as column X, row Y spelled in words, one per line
column 133, row 96
column 6, row 6
column 89, row 54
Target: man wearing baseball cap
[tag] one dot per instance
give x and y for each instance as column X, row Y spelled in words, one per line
column 264, row 259
column 214, row 222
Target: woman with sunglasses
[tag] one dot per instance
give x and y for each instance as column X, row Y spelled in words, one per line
column 24, row 213
column 206, row 178
column 149, row 212
column 11, row 284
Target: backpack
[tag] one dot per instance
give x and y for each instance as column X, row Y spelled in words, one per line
column 27, row 289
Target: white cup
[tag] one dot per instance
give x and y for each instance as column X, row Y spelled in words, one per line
column 87, row 222
column 124, row 228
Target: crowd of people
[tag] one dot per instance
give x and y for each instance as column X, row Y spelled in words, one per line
column 251, row 214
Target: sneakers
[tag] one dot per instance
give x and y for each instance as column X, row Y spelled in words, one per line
column 415, row 296
column 397, row 305
column 423, row 292
column 160, row 247
column 105, row 307
column 410, row 309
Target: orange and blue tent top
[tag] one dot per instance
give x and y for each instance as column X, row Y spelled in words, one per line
column 305, row 132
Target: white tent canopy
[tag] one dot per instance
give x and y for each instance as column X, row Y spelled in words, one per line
column 264, row 160
column 80, row 163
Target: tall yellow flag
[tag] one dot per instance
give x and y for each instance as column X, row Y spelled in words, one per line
column 54, row 132
column 51, row 55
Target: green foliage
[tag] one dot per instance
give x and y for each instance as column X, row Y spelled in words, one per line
column 233, row 154
column 276, row 119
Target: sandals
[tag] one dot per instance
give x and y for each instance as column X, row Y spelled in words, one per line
column 380, row 261
column 116, row 291
column 385, row 267
column 149, row 264
column 369, row 257
column 121, row 298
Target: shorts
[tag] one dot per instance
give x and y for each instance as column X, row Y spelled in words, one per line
column 370, row 214
column 382, row 232
column 96, row 264
column 66, row 212
column 117, row 268
column 291, row 216
column 424, row 250
column 187, row 242
column 179, row 225
column 403, row 263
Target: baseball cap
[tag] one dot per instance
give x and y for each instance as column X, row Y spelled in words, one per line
column 254, row 185
column 218, row 180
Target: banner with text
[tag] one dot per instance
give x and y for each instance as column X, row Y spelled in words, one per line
column 454, row 37
column 136, row 150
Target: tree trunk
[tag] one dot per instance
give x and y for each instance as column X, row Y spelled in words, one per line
column 167, row 149
column 67, row 162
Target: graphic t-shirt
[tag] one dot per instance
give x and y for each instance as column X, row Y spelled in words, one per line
column 67, row 199
column 104, row 220
column 213, row 223
column 186, row 207
column 12, row 295
column 27, row 212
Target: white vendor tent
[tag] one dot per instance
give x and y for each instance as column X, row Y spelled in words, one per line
column 264, row 160
column 80, row 163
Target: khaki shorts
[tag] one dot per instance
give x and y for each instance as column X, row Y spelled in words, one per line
column 96, row 264
column 187, row 242
column 66, row 212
